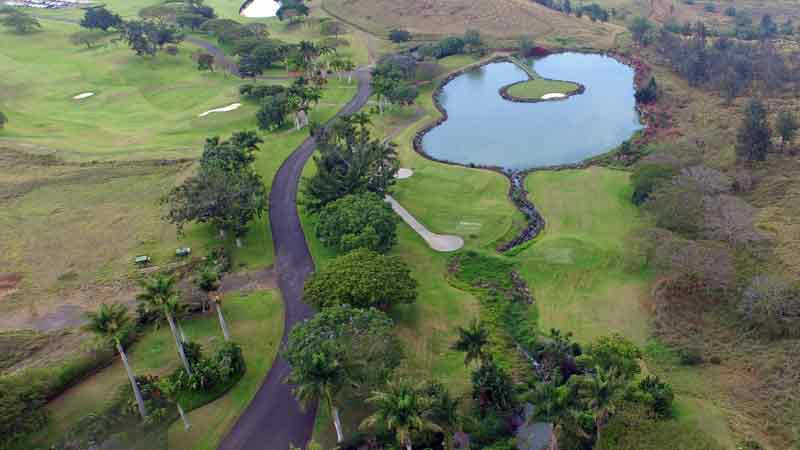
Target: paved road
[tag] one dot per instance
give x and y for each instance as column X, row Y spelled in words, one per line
column 273, row 420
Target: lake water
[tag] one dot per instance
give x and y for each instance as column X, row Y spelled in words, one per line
column 483, row 128
column 261, row 8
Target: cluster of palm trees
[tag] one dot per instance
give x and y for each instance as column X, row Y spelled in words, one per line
column 112, row 322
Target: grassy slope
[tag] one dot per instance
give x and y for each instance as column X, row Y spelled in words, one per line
column 256, row 322
column 538, row 87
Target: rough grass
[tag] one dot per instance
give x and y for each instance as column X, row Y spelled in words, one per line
column 505, row 19
column 536, row 88
column 256, row 323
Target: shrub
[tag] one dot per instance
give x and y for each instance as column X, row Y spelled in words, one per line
column 259, row 92
column 647, row 178
column 21, row 409
column 358, row 220
column 658, row 396
column 398, row 36
column 772, row 304
column 690, row 356
column 363, row 279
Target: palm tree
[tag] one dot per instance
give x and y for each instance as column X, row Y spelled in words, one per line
column 159, row 293
column 320, row 376
column 444, row 412
column 472, row 340
column 111, row 322
column 171, row 392
column 401, row 409
column 602, row 392
column 208, row 282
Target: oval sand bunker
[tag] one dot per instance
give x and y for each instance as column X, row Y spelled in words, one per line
column 403, row 173
column 82, row 96
column 231, row 107
column 553, row 96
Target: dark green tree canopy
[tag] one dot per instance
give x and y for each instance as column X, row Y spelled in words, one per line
column 359, row 343
column 100, row 17
column 363, row 279
column 356, row 221
column 146, row 37
column 226, row 191
column 350, row 161
column 493, row 388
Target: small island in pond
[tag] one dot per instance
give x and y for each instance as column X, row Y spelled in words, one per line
column 542, row 89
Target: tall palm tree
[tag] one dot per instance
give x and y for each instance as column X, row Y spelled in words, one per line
column 472, row 341
column 401, row 409
column 160, row 294
column 444, row 412
column 320, row 376
column 602, row 391
column 111, row 322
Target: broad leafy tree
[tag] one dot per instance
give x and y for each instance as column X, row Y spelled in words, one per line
column 753, row 139
column 146, row 37
column 358, row 221
column 473, row 341
column 350, row 161
column 401, row 409
column 100, row 18
column 160, row 294
column 205, row 61
column 88, row 38
column 271, row 115
column 339, row 347
column 20, row 22
column 112, row 323
column 226, row 191
column 363, row 279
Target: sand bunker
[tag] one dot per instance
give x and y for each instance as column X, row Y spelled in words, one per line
column 553, row 95
column 82, row 96
column 230, row 107
column 402, row 174
column 261, row 8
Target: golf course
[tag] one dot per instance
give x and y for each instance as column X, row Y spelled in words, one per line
column 344, row 225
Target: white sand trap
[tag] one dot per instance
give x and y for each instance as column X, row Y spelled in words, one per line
column 231, row 107
column 261, row 8
column 83, row 96
column 553, row 95
column 438, row 242
column 403, row 173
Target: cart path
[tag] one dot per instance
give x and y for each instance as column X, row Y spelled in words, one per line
column 274, row 419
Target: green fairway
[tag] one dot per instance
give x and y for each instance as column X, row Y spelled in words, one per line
column 256, row 323
column 537, row 87
column 142, row 107
column 577, row 268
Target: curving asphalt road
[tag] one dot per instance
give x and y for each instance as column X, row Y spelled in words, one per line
column 274, row 419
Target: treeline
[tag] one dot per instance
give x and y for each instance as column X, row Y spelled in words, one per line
column 593, row 11
column 729, row 66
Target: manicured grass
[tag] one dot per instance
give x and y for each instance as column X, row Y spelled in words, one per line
column 256, row 323
column 142, row 107
column 577, row 269
column 537, row 87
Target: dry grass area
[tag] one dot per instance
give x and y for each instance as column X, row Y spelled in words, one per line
column 505, row 19
column 69, row 233
column 753, row 380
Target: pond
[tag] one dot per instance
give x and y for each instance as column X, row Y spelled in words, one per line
column 260, row 8
column 485, row 129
